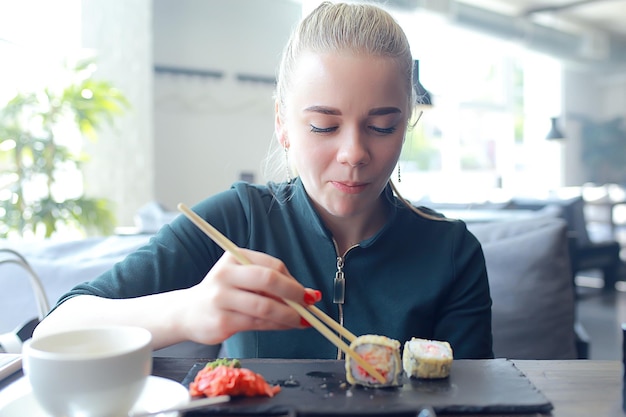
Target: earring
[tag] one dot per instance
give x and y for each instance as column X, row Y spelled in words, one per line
column 399, row 179
column 287, row 163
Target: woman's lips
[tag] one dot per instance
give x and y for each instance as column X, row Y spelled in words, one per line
column 349, row 187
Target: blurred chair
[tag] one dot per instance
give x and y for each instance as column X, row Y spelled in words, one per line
column 12, row 341
column 605, row 211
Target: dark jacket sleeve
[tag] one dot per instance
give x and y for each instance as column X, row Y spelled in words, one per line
column 465, row 317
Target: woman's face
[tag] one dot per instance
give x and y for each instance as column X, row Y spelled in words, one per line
column 344, row 125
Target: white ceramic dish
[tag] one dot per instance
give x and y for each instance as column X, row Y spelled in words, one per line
column 159, row 393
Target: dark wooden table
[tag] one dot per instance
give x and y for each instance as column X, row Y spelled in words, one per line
column 576, row 388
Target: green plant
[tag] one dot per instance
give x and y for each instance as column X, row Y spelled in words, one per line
column 36, row 158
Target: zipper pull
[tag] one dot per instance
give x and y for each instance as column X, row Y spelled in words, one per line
column 339, row 290
column 339, row 285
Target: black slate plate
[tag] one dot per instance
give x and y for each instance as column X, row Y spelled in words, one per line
column 318, row 387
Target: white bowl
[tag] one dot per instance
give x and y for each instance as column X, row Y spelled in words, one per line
column 96, row 372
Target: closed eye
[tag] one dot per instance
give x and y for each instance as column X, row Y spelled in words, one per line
column 383, row 130
column 316, row 129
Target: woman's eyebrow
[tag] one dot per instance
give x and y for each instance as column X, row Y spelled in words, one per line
column 381, row 111
column 323, row 110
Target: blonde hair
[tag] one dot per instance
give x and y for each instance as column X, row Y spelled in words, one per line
column 356, row 28
column 346, row 28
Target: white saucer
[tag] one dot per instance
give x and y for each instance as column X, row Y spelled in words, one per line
column 159, row 393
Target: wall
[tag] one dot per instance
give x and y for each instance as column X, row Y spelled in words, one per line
column 121, row 33
column 184, row 137
column 208, row 131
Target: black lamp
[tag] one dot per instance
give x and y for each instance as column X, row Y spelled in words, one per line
column 554, row 133
column 423, row 96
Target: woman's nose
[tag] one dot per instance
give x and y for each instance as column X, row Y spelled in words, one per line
column 353, row 150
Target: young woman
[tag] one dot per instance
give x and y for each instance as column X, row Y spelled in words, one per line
column 333, row 233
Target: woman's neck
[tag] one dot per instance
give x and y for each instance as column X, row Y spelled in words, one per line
column 348, row 232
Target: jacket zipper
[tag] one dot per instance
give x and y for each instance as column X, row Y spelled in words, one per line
column 339, row 288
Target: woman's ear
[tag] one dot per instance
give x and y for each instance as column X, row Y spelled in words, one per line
column 279, row 126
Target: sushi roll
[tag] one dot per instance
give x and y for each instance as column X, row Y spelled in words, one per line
column 380, row 351
column 424, row 358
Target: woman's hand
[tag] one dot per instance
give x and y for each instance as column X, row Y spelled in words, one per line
column 234, row 298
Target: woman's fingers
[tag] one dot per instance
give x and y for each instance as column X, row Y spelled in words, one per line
column 234, row 298
column 312, row 296
column 263, row 259
column 227, row 311
column 267, row 275
column 259, row 307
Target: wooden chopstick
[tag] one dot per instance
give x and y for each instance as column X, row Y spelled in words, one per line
column 233, row 249
column 330, row 322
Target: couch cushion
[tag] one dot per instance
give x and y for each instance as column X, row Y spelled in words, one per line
column 531, row 286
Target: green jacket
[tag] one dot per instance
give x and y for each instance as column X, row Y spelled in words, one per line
column 416, row 277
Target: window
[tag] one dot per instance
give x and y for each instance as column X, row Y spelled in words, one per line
column 485, row 135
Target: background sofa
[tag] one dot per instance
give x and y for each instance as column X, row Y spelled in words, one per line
column 527, row 261
column 532, row 288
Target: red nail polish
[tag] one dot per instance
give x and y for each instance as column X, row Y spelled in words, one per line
column 309, row 298
column 304, row 323
column 318, row 295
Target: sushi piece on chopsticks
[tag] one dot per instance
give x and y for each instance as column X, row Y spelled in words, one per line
column 382, row 353
column 422, row 358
